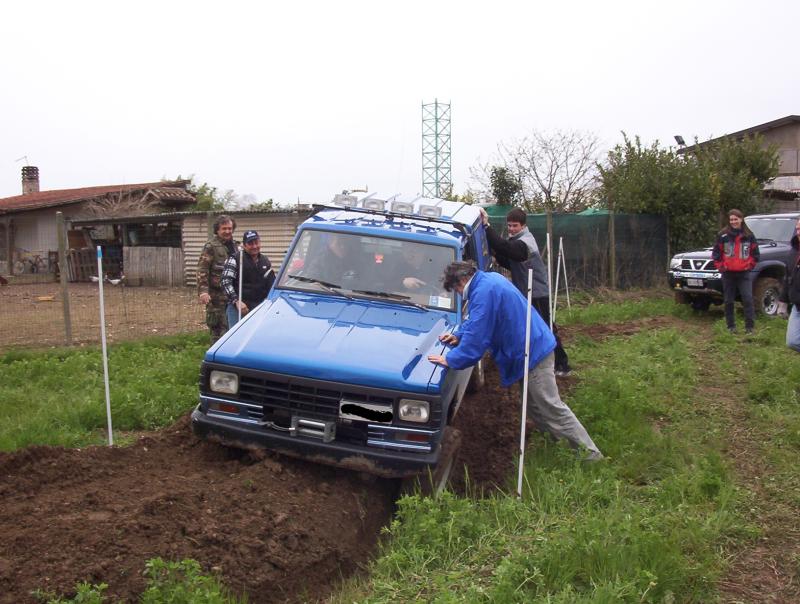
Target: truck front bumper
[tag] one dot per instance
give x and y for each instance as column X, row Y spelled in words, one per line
column 384, row 462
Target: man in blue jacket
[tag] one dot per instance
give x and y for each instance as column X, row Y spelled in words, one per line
column 495, row 321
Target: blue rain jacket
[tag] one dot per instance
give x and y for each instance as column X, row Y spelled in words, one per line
column 496, row 322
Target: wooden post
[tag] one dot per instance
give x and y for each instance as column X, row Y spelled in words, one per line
column 62, row 273
column 10, row 240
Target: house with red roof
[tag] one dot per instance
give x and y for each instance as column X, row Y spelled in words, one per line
column 28, row 234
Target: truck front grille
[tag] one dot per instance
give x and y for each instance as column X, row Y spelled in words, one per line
column 299, row 398
column 702, row 264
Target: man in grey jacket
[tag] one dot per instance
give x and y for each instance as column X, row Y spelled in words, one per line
column 518, row 253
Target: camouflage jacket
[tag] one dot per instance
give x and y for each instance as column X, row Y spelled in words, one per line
column 209, row 267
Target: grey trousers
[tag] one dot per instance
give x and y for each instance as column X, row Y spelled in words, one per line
column 549, row 412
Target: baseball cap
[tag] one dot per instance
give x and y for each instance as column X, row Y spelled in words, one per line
column 250, row 236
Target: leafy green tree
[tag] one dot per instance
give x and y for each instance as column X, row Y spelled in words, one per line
column 209, row 198
column 693, row 190
column 739, row 170
column 264, row 206
column 505, row 187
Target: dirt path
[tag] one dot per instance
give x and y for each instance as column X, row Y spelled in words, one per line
column 764, row 571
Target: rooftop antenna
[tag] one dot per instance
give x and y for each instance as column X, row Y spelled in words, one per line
column 25, row 157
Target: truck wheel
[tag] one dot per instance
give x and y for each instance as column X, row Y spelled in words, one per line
column 701, row 304
column 478, row 378
column 766, row 293
column 432, row 483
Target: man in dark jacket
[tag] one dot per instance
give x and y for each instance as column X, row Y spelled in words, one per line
column 257, row 278
column 518, row 253
column 791, row 294
column 495, row 320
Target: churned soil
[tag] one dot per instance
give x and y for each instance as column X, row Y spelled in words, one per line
column 274, row 528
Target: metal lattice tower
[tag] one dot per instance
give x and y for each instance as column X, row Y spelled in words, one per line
column 436, row 175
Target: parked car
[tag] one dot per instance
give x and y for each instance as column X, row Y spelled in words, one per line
column 332, row 366
column 696, row 280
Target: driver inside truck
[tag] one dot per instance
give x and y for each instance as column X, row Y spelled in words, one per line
column 419, row 270
column 336, row 260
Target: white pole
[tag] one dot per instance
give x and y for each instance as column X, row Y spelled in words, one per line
column 103, row 340
column 555, row 290
column 525, row 384
column 241, row 272
column 566, row 284
column 550, row 279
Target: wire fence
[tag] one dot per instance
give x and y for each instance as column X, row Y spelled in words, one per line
column 32, row 314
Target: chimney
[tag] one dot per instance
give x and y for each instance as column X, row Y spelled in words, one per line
column 30, row 180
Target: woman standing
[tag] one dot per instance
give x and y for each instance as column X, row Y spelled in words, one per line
column 735, row 254
column 791, row 294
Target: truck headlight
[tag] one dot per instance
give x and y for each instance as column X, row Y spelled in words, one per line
column 414, row 411
column 674, row 263
column 224, row 381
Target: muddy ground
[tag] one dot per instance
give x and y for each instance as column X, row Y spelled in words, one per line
column 276, row 529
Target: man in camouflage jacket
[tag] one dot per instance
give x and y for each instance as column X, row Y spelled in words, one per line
column 209, row 275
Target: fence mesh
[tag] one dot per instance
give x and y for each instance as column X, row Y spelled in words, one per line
column 31, row 314
column 640, row 243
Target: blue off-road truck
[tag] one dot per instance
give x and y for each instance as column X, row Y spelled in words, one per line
column 332, row 367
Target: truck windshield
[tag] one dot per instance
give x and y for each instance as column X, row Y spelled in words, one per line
column 370, row 267
column 777, row 229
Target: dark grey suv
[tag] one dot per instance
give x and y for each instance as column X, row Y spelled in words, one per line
column 696, row 280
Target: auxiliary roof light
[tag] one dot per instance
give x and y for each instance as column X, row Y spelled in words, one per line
column 374, row 204
column 402, row 207
column 430, row 211
column 345, row 201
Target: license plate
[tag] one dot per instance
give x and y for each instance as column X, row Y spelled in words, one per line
column 694, row 282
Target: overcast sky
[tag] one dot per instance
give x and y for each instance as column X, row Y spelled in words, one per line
column 298, row 100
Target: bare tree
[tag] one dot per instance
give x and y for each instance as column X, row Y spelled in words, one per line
column 556, row 171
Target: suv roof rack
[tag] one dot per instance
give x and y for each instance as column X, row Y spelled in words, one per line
column 317, row 207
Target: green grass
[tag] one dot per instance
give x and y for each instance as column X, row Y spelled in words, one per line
column 58, row 398
column 167, row 582
column 644, row 526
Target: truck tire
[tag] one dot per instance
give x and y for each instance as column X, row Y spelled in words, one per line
column 477, row 380
column 701, row 304
column 432, row 483
column 766, row 293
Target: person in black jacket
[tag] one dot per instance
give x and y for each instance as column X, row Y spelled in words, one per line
column 257, row 278
column 791, row 294
column 518, row 253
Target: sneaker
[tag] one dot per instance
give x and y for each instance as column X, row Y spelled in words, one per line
column 732, row 329
column 563, row 372
column 594, row 456
column 749, row 331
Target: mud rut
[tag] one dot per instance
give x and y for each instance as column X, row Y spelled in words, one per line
column 276, row 529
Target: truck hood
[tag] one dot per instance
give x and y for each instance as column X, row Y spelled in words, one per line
column 382, row 345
